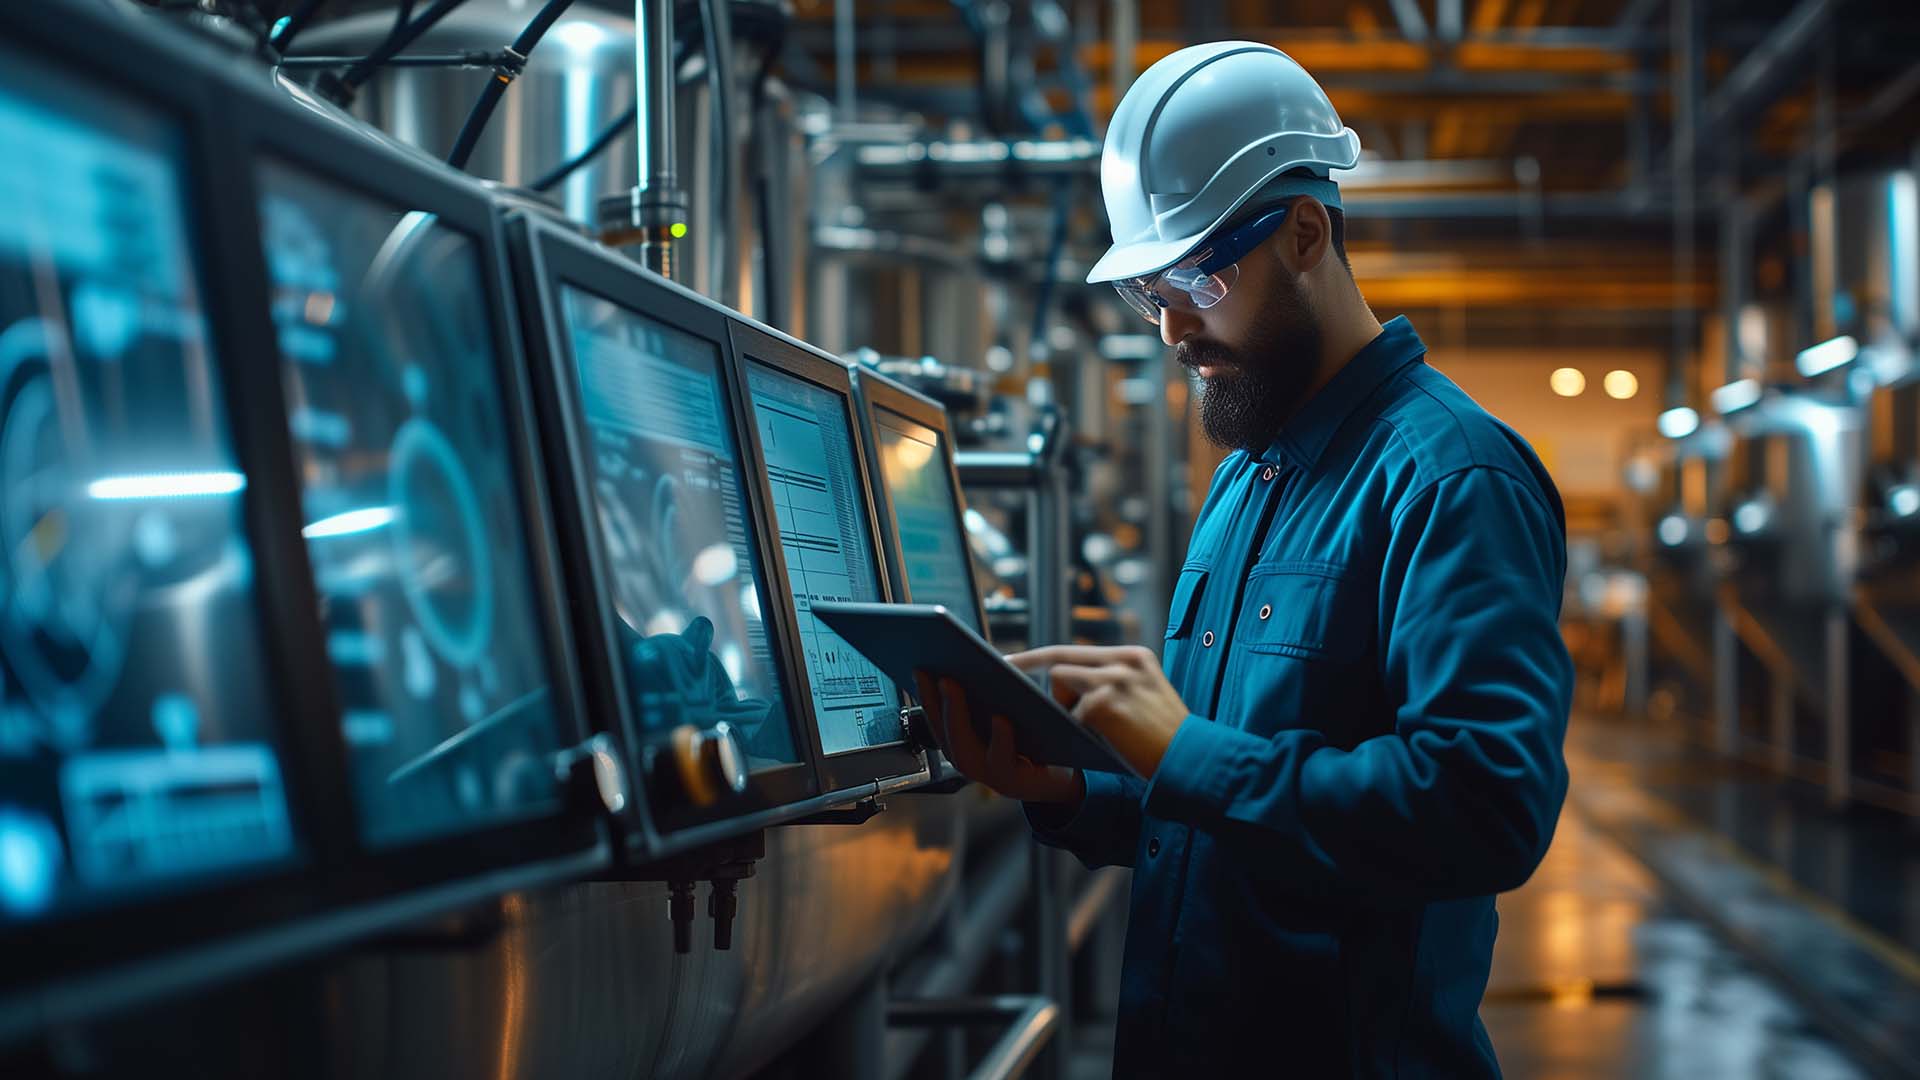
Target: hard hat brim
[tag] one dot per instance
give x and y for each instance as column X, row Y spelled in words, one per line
column 1139, row 260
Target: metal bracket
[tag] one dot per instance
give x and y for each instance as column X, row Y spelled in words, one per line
column 858, row 814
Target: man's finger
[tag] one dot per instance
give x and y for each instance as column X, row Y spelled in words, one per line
column 1098, row 698
column 1074, row 681
column 1050, row 655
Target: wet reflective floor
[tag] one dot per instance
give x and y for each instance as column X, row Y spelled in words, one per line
column 1693, row 920
column 1598, row 973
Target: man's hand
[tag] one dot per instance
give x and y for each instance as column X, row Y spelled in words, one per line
column 1119, row 692
column 994, row 762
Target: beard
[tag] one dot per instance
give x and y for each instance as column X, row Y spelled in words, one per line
column 1258, row 386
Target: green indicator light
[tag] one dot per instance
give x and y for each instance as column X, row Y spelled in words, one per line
column 678, row 229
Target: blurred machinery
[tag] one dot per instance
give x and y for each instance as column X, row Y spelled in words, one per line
column 1777, row 549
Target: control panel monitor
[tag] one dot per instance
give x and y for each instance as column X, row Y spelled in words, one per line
column 689, row 595
column 415, row 520
column 916, row 477
column 139, row 754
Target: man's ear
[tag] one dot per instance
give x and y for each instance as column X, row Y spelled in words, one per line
column 1306, row 237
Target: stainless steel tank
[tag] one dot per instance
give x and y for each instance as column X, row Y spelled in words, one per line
column 583, row 981
column 1793, row 547
column 747, row 247
column 576, row 82
column 1865, row 252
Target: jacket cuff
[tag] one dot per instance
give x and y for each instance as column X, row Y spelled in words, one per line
column 1194, row 782
column 1061, row 827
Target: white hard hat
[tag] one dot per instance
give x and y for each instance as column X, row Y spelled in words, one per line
column 1197, row 135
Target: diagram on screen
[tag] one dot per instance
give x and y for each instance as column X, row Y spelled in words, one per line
column 811, row 472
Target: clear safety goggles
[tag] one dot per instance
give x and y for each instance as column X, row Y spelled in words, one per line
column 1202, row 279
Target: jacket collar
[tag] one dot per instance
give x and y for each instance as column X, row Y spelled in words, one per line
column 1307, row 435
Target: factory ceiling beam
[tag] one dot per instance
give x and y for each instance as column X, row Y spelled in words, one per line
column 1765, row 68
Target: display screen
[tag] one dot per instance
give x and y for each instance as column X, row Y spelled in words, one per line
column 413, row 512
column 814, row 474
column 687, row 592
column 919, row 484
column 137, row 747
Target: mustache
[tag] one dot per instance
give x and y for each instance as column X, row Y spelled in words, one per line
column 1197, row 354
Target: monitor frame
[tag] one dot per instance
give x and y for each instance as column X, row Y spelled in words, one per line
column 876, row 392
column 549, row 257
column 754, row 342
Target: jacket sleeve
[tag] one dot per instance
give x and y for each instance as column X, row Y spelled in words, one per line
column 1460, row 799
column 1103, row 830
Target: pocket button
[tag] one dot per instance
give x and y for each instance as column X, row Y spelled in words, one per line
column 1265, row 610
column 1206, row 639
column 1153, row 847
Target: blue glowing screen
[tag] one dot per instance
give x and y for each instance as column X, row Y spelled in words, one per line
column 806, row 437
column 919, row 487
column 687, row 592
column 137, row 752
column 413, row 514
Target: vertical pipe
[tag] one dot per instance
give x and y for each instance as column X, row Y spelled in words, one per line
column 647, row 218
column 1780, row 721
column 1685, row 74
column 1726, row 685
column 653, row 80
column 843, row 61
column 1839, row 710
column 1125, row 32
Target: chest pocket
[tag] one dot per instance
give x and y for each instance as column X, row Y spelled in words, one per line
column 1180, row 654
column 1304, row 610
column 1186, row 599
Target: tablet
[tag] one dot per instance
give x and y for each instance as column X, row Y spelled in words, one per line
column 900, row 638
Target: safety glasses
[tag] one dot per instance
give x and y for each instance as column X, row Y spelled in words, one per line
column 1202, row 279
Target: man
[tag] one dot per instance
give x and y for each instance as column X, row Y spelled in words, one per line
column 1353, row 739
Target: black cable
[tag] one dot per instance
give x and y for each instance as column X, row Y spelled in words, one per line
column 471, row 59
column 360, row 72
column 600, row 142
column 503, row 77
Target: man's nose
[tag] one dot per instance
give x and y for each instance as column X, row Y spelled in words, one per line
column 1177, row 325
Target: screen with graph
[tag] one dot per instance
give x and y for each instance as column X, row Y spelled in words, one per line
column 806, row 436
column 687, row 592
column 919, row 488
column 138, row 750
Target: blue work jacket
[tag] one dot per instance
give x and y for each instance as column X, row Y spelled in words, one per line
column 1366, row 632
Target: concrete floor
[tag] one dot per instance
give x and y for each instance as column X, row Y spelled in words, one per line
column 1615, row 960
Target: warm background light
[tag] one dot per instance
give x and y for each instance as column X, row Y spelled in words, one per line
column 1567, row 382
column 1621, row 385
